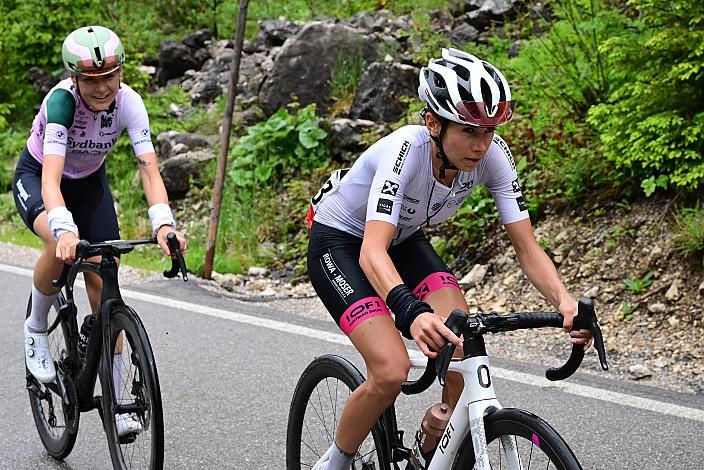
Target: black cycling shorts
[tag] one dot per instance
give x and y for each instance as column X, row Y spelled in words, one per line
column 89, row 199
column 338, row 279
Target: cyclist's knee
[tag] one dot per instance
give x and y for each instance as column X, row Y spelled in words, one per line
column 385, row 380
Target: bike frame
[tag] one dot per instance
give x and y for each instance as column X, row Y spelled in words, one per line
column 477, row 399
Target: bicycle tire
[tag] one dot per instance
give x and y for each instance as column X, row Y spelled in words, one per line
column 57, row 431
column 329, row 372
column 542, row 445
column 139, row 390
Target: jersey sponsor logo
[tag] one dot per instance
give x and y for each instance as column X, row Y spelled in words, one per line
column 500, row 142
column 402, row 154
column 404, row 218
column 521, row 203
column 455, row 202
column 103, row 133
column 90, row 144
column 384, row 206
column 389, row 188
column 516, row 186
column 410, row 210
column 436, row 207
column 410, row 199
column 465, row 186
column 105, row 121
column 60, row 134
column 144, row 132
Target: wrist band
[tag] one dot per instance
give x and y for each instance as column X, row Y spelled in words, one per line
column 61, row 221
column 406, row 308
column 160, row 214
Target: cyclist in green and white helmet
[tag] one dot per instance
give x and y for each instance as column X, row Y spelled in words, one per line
column 60, row 183
column 92, row 51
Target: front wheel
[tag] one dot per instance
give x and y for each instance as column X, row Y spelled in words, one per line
column 132, row 411
column 316, row 408
column 56, row 418
column 517, row 439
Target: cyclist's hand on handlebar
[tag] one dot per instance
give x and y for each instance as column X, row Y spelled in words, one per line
column 164, row 230
column 430, row 334
column 568, row 309
column 66, row 247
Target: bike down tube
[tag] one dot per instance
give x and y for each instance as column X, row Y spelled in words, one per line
column 478, row 396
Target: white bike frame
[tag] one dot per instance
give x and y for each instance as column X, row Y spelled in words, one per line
column 477, row 397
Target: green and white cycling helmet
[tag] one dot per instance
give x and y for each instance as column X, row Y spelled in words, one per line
column 92, row 51
column 465, row 89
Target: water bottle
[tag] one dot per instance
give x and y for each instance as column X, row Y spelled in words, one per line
column 86, row 328
column 429, row 434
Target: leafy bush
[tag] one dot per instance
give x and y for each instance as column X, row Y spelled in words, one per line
column 282, row 146
column 653, row 123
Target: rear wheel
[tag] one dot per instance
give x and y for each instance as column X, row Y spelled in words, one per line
column 316, row 408
column 515, row 436
column 130, row 377
column 56, row 420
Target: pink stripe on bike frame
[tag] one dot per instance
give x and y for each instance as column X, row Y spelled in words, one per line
column 434, row 282
column 361, row 310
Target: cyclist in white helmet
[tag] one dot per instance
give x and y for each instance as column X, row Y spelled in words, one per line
column 60, row 185
column 367, row 253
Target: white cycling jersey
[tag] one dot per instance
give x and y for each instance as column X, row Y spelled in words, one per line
column 393, row 181
column 65, row 126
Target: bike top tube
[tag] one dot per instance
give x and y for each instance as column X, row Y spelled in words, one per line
column 473, row 328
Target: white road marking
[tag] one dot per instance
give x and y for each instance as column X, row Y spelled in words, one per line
column 529, row 379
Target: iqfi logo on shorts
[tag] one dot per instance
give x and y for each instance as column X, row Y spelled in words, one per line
column 389, row 188
column 384, row 206
column 402, row 154
column 521, row 203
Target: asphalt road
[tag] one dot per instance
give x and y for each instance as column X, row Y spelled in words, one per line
column 228, row 369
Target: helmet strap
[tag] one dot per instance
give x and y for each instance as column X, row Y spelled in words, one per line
column 446, row 165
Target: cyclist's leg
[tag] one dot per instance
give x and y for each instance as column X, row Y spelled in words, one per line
column 27, row 192
column 432, row 281
column 96, row 220
column 333, row 265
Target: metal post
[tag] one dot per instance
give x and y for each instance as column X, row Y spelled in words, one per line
column 225, row 141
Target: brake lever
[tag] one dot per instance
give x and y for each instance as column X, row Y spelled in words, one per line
column 178, row 264
column 455, row 322
column 585, row 319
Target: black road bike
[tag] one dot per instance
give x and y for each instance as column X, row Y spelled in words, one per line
column 116, row 330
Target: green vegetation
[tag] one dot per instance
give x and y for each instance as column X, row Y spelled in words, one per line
column 689, row 237
column 609, row 93
column 636, row 286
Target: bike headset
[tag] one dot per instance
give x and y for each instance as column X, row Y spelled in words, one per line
column 92, row 51
column 464, row 89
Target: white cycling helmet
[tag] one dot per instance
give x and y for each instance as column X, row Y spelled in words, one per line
column 465, row 89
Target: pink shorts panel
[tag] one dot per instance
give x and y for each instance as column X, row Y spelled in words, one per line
column 434, row 282
column 361, row 310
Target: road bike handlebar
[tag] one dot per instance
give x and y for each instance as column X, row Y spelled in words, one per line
column 474, row 326
column 86, row 250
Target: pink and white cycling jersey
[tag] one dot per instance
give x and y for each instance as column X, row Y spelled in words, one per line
column 393, row 181
column 65, row 126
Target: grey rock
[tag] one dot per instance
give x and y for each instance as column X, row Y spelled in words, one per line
column 475, row 276
column 378, row 95
column 639, row 371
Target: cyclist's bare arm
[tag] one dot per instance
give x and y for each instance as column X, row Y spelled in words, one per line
column 541, row 272
column 428, row 330
column 155, row 192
